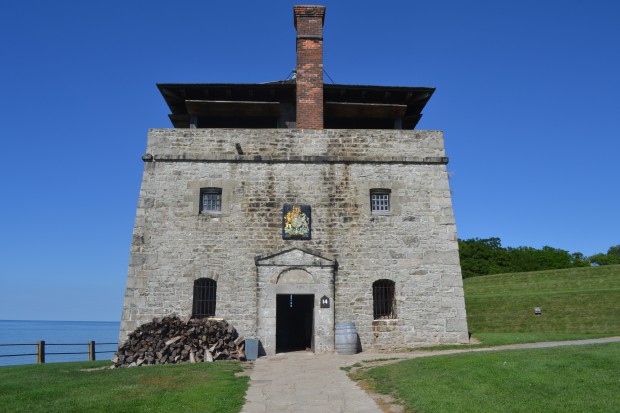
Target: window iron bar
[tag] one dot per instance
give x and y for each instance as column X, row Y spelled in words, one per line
column 383, row 300
column 380, row 202
column 211, row 200
column 204, row 298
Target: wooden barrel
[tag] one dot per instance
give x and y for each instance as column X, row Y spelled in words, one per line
column 346, row 338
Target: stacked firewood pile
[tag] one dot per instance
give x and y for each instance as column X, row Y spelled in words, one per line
column 175, row 340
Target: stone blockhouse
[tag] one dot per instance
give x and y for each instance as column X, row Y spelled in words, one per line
column 290, row 207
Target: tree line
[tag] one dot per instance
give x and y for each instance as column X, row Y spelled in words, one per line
column 487, row 256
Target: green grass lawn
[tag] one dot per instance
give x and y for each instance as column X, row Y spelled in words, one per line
column 68, row 387
column 573, row 301
column 576, row 304
column 563, row 379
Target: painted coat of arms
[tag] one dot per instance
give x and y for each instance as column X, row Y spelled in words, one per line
column 296, row 220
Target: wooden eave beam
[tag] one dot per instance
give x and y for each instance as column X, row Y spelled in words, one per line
column 364, row 110
column 409, row 122
column 225, row 108
column 179, row 121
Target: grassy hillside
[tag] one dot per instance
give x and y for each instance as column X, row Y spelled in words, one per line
column 575, row 300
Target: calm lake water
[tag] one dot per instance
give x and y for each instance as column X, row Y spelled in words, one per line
column 56, row 332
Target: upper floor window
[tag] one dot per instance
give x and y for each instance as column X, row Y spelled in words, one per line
column 380, row 201
column 210, row 200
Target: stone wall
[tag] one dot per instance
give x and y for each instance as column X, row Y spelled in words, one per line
column 332, row 171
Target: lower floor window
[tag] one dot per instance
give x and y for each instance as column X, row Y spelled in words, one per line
column 383, row 303
column 204, row 298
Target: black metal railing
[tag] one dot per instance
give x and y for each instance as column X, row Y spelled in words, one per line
column 41, row 350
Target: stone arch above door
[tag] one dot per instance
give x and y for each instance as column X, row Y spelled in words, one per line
column 294, row 276
column 296, row 257
column 295, row 271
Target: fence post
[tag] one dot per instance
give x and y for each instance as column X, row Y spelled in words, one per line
column 91, row 350
column 41, row 352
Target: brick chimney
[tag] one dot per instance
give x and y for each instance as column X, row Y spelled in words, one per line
column 309, row 25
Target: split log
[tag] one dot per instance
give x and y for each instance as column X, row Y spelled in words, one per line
column 174, row 340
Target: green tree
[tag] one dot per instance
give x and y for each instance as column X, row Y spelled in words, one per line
column 614, row 251
column 482, row 257
column 523, row 259
column 579, row 260
column 612, row 257
column 487, row 256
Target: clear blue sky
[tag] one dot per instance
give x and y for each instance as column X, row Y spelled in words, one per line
column 527, row 95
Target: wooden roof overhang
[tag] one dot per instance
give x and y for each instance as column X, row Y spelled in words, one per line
column 265, row 100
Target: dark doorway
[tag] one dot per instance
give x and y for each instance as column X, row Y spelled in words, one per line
column 294, row 320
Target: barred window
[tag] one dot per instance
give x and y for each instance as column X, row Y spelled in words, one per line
column 379, row 201
column 204, row 298
column 383, row 303
column 211, row 200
